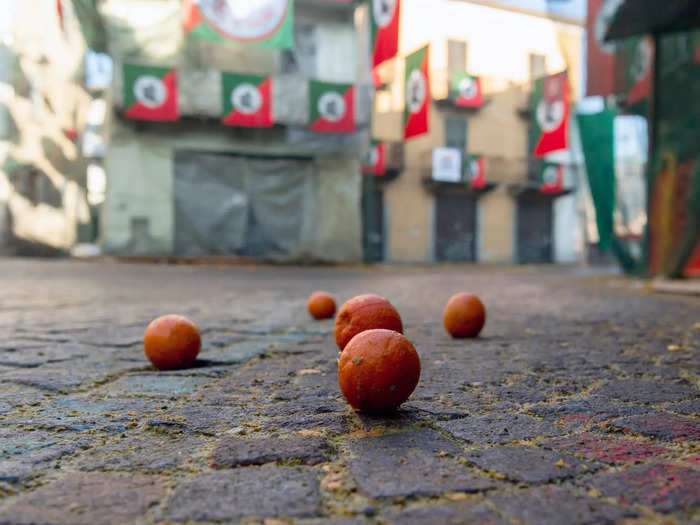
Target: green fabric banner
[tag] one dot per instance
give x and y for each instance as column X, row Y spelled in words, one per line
column 597, row 138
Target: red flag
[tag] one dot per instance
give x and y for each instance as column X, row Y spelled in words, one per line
column 417, row 95
column 150, row 93
column 247, row 100
column 551, row 108
column 467, row 90
column 385, row 15
column 600, row 58
column 478, row 172
column 376, row 160
column 332, row 107
column 552, row 178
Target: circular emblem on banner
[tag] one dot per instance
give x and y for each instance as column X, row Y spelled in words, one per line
column 245, row 20
column 467, row 87
column 331, row 106
column 550, row 115
column 473, row 168
column 373, row 155
column 550, row 176
column 383, row 11
column 641, row 62
column 416, row 91
column 602, row 23
column 246, row 98
column 150, row 91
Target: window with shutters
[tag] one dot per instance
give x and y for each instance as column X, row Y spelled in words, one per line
column 456, row 133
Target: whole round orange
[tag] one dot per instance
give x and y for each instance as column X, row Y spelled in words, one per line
column 171, row 342
column 464, row 315
column 321, row 305
column 378, row 370
column 365, row 312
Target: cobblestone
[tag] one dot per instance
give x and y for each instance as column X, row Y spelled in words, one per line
column 569, row 408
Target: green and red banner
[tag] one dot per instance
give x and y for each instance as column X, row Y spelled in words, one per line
column 600, row 55
column 466, row 91
column 477, row 171
column 331, row 107
column 417, row 94
column 255, row 23
column 385, row 16
column 639, row 58
column 550, row 107
column 150, row 93
column 375, row 164
column 247, row 100
column 551, row 178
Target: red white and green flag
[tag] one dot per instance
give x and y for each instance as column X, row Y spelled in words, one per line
column 551, row 178
column 477, row 172
column 375, row 164
column 417, row 93
column 385, row 16
column 247, row 100
column 466, row 90
column 150, row 93
column 639, row 58
column 255, row 23
column 331, row 107
column 551, row 107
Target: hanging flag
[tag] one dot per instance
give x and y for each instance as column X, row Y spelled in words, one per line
column 332, row 107
column 600, row 55
column 477, row 172
column 417, row 93
column 255, row 23
column 385, row 29
column 550, row 107
column 150, row 93
column 551, row 178
column 247, row 100
column 375, row 164
column 638, row 56
column 466, row 91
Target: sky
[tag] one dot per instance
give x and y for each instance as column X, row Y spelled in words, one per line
column 572, row 8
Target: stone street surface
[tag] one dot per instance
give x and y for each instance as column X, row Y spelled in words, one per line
column 579, row 404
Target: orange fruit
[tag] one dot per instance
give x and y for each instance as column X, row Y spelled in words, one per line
column 321, row 305
column 365, row 312
column 464, row 315
column 378, row 370
column 171, row 342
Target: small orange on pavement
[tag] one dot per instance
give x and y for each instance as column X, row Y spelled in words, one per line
column 365, row 312
column 321, row 305
column 171, row 342
column 378, row 370
column 464, row 315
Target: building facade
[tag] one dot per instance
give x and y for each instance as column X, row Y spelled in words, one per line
column 414, row 218
column 43, row 206
column 196, row 186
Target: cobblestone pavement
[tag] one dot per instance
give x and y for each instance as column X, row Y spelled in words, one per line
column 579, row 404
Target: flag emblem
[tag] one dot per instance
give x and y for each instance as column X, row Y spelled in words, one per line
column 331, row 106
column 150, row 91
column 384, row 11
column 252, row 20
column 246, row 98
column 416, row 91
column 468, row 87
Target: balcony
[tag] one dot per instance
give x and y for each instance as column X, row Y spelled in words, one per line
column 458, row 90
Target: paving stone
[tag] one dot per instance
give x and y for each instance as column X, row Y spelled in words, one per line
column 33, row 357
column 577, row 411
column 646, row 391
column 461, row 513
column 49, row 378
column 205, row 419
column 337, row 423
column 553, row 505
column 691, row 407
column 37, row 447
column 411, row 464
column 529, row 464
column 13, row 470
column 155, row 385
column 499, row 428
column 605, row 449
column 254, row 491
column 660, row 425
column 233, row 452
column 87, row 413
column 86, row 499
column 144, row 453
column 663, row 487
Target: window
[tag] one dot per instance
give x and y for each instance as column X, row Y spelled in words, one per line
column 456, row 133
column 456, row 57
column 538, row 66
